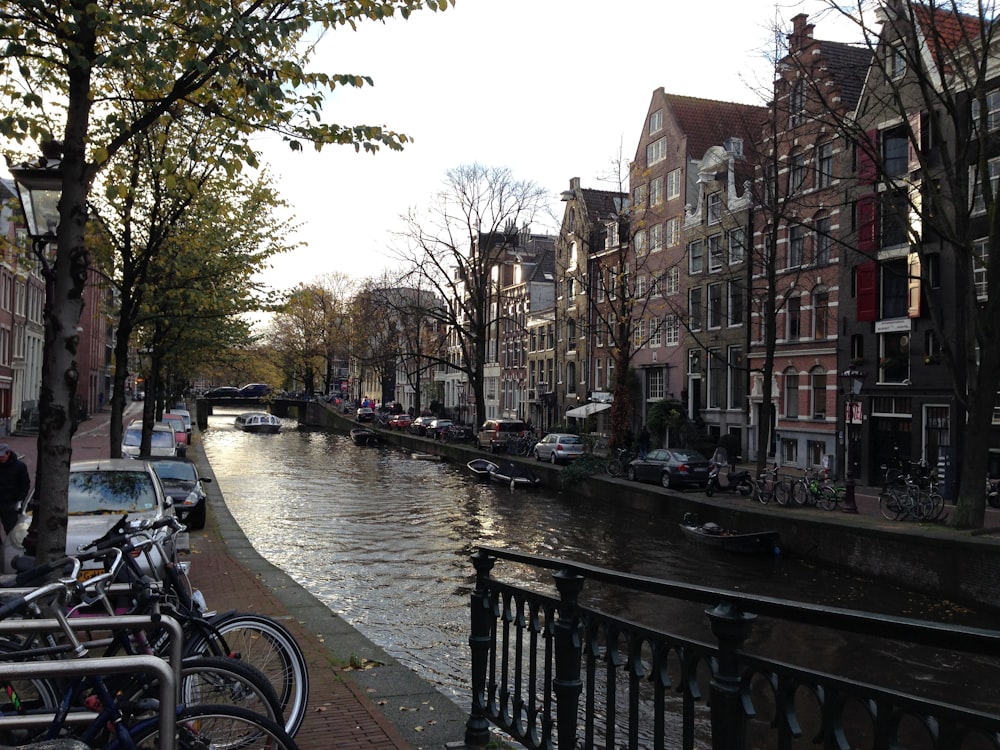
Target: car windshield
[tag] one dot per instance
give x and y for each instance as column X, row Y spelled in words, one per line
column 175, row 470
column 133, row 438
column 110, row 492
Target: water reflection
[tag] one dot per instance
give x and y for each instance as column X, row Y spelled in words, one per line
column 384, row 541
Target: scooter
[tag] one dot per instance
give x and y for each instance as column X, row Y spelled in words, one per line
column 993, row 492
column 723, row 477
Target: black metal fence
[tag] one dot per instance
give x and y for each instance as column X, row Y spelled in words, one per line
column 553, row 673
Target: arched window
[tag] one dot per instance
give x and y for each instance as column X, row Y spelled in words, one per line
column 570, row 375
column 821, row 313
column 817, row 393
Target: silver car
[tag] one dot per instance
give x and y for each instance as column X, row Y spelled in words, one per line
column 100, row 492
column 558, row 448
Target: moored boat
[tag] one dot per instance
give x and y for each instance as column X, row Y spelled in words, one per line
column 514, row 475
column 482, row 468
column 364, row 436
column 258, row 422
column 744, row 543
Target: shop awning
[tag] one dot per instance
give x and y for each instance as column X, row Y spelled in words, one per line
column 582, row 412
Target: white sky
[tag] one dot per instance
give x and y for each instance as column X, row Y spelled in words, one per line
column 551, row 89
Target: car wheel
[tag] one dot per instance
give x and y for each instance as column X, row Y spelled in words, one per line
column 552, row 458
column 631, row 473
column 196, row 518
column 665, row 479
column 538, row 456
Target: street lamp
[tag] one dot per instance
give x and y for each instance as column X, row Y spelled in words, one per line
column 851, row 384
column 39, row 188
column 461, row 401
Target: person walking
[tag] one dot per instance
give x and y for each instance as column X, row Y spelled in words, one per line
column 643, row 442
column 14, row 485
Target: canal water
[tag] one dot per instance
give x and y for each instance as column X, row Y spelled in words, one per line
column 385, row 540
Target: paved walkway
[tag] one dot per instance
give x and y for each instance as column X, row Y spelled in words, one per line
column 383, row 706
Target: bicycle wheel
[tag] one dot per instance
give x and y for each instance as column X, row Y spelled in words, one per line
column 828, row 498
column 781, row 493
column 761, row 493
column 217, row 727
column 800, row 493
column 215, row 680
column 24, row 695
column 266, row 644
column 615, row 467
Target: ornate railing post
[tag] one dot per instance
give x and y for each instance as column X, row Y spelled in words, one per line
column 477, row 728
column 731, row 626
column 566, row 683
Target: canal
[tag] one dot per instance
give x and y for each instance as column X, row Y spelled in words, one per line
column 384, row 540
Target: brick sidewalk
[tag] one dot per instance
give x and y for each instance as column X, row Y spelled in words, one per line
column 346, row 709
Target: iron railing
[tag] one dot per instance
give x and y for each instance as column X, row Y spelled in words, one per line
column 551, row 672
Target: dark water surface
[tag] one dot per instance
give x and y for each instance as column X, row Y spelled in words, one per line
column 384, row 540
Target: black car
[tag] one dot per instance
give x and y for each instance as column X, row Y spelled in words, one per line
column 223, row 391
column 183, row 487
column 254, row 390
column 677, row 467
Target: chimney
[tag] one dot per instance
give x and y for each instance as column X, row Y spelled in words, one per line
column 802, row 33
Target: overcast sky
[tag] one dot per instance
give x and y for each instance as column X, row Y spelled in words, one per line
column 551, row 89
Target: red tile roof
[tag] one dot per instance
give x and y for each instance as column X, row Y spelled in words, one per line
column 709, row 123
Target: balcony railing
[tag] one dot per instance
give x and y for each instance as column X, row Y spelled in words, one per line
column 553, row 673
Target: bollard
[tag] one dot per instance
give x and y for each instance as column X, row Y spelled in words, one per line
column 731, row 626
column 566, row 684
column 477, row 728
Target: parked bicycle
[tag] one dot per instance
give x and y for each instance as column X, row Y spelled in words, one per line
column 904, row 498
column 770, row 487
column 618, row 465
column 810, row 490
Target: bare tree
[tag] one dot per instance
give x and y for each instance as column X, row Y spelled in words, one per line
column 455, row 250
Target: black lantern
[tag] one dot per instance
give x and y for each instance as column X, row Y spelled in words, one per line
column 39, row 188
column 851, row 381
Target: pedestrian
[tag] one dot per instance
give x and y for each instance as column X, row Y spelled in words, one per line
column 14, row 484
column 643, row 442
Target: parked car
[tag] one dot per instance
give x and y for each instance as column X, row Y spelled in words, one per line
column 162, row 441
column 400, row 422
column 254, row 390
column 671, row 468
column 558, row 447
column 176, row 423
column 365, row 414
column 419, row 425
column 437, row 428
column 223, row 391
column 100, row 492
column 495, row 433
column 184, row 488
column 138, row 394
column 185, row 415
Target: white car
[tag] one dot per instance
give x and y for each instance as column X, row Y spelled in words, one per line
column 558, row 447
column 162, row 441
column 100, row 492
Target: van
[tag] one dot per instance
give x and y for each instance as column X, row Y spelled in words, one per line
column 162, row 442
column 495, row 433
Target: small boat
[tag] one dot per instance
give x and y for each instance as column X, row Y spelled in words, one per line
column 364, row 436
column 258, row 422
column 514, row 475
column 712, row 535
column 482, row 468
column 425, row 457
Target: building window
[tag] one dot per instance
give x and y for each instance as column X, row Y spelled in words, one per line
column 639, row 196
column 715, row 259
column 980, row 258
column 638, row 333
column 895, row 290
column 716, row 379
column 737, row 378
column 655, row 333
column 824, row 164
column 797, row 103
column 656, row 237
column 737, row 302
column 975, row 188
column 598, row 374
column 817, row 393
column 694, row 308
column 640, row 243
column 737, row 246
column 793, row 318
column 672, row 283
column 894, row 357
column 656, row 121
column 796, row 245
column 570, row 374
column 822, row 241
column 789, row 451
column 673, row 232
column 673, row 184
column 791, row 379
column 895, row 145
column 696, row 257
column 656, row 152
column 895, row 61
column 715, row 305
column 656, row 192
column 714, row 208
column 796, row 172
column 821, row 315
column 640, row 287
column 992, row 112
column 654, row 384
column 672, row 330
column 571, row 335
column 611, row 241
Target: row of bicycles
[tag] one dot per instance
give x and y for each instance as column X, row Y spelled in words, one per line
column 240, row 679
column 811, row 488
column 910, row 495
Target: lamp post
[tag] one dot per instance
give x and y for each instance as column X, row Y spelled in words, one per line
column 852, row 382
column 39, row 188
column 461, row 401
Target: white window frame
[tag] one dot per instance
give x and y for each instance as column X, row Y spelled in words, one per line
column 715, row 254
column 673, row 281
column 696, row 257
column 713, row 208
column 975, row 194
column 980, row 251
column 656, row 238
column 736, row 240
column 673, row 184
column 655, row 384
column 672, row 330
column 656, row 121
column 673, row 232
column 656, row 151
column 656, row 191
